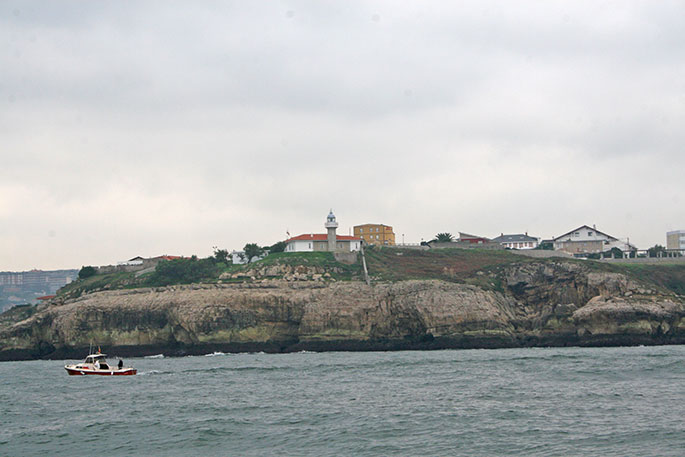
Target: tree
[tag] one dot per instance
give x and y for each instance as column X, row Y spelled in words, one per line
column 615, row 252
column 252, row 250
column 655, row 250
column 86, row 272
column 278, row 247
column 546, row 246
column 221, row 255
column 444, row 237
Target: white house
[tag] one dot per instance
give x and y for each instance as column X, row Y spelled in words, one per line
column 319, row 242
column 134, row 261
column 323, row 241
column 517, row 241
column 589, row 240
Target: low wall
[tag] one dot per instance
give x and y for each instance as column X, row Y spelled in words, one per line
column 541, row 253
column 107, row 269
column 648, row 260
column 348, row 258
column 463, row 245
column 416, row 246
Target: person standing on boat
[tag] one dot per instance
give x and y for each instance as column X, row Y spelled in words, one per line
column 121, row 364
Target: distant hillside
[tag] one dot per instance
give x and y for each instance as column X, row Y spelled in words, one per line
column 23, row 287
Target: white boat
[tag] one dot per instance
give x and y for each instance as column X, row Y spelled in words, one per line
column 97, row 364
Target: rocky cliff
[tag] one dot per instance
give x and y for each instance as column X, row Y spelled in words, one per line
column 523, row 304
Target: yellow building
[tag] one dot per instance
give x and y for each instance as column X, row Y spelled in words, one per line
column 375, row 234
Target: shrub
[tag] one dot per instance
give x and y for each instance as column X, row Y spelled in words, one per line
column 183, row 271
column 278, row 247
column 86, row 272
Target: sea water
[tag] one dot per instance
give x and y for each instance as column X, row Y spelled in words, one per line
column 557, row 401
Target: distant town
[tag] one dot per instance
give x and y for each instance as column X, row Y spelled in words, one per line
column 584, row 241
column 18, row 288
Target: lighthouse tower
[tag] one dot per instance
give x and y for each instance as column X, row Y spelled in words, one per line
column 331, row 226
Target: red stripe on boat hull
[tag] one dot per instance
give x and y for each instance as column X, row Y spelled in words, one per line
column 77, row 372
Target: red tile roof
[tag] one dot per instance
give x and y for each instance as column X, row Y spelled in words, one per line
column 46, row 297
column 321, row 237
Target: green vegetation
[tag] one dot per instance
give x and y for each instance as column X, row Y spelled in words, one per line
column 86, row 272
column 208, row 270
column 252, row 250
column 325, row 260
column 479, row 267
column 184, row 271
column 444, row 237
column 321, row 259
column 276, row 247
column 15, row 314
column 221, row 256
column 395, row 264
column 655, row 250
column 671, row 277
column 545, row 246
column 119, row 280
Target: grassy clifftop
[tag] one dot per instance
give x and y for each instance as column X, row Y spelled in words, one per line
column 473, row 266
column 484, row 267
column 209, row 271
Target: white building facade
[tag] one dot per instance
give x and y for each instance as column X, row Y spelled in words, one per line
column 589, row 240
column 330, row 241
column 517, row 241
column 675, row 239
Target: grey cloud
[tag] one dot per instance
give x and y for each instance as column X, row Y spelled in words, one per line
column 169, row 125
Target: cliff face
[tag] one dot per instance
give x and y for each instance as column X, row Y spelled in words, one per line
column 561, row 303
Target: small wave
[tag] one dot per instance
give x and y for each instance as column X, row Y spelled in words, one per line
column 306, row 352
column 157, row 356
column 215, row 353
column 146, row 373
column 235, row 369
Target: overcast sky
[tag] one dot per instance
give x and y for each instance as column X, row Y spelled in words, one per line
column 149, row 128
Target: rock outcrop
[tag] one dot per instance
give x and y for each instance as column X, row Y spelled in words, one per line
column 539, row 303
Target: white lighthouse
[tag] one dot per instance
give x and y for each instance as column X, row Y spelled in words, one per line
column 331, row 227
column 311, row 242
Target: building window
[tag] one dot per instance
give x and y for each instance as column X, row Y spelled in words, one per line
column 589, row 233
column 361, row 230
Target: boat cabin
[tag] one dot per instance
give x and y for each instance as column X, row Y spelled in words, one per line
column 99, row 359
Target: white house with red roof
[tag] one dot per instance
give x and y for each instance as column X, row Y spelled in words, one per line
column 315, row 242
